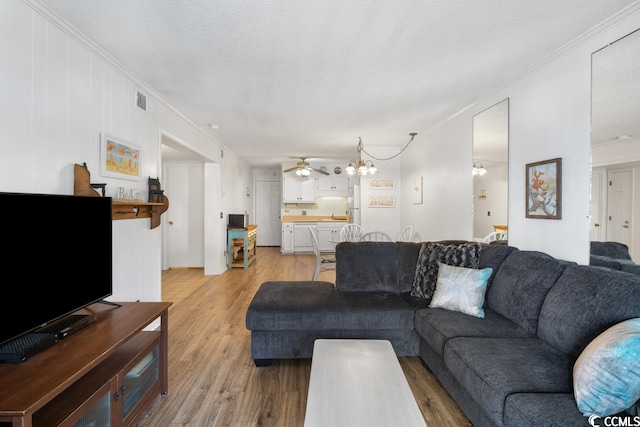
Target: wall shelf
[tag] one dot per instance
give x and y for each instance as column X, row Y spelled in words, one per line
column 132, row 209
column 120, row 209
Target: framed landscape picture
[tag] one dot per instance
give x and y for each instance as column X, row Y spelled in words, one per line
column 119, row 158
column 544, row 189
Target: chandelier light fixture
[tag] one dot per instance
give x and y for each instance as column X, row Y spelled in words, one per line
column 478, row 169
column 362, row 167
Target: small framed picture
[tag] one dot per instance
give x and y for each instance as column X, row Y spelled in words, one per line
column 119, row 158
column 382, row 184
column 416, row 191
column 544, row 189
column 382, row 201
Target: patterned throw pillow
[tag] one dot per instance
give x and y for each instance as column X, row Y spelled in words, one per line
column 606, row 376
column 431, row 253
column 461, row 289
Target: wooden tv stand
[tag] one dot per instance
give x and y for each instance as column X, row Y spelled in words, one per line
column 112, row 368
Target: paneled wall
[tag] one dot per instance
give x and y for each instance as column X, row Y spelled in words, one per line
column 58, row 92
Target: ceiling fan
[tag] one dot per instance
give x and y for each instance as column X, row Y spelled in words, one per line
column 303, row 168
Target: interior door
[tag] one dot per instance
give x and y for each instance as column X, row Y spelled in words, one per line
column 619, row 206
column 597, row 231
column 185, row 218
column 268, row 202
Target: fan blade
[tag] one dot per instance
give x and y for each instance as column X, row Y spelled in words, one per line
column 291, row 169
column 319, row 171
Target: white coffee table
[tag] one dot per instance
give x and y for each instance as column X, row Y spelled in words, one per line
column 359, row 383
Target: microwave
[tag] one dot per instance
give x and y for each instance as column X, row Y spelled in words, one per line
column 238, row 220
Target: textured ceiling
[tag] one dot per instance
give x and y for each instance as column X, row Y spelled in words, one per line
column 307, row 78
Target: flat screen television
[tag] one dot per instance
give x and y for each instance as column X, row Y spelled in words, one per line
column 56, row 259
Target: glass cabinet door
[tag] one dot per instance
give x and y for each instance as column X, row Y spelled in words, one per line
column 139, row 379
column 98, row 415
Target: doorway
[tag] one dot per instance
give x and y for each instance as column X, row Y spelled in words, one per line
column 183, row 223
column 268, row 202
column 619, row 206
column 184, row 229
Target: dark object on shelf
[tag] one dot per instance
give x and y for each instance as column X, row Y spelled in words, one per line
column 155, row 191
column 68, row 325
column 82, row 185
column 25, row 346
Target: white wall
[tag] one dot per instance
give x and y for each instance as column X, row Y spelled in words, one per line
column 442, row 157
column 58, row 93
column 549, row 116
column 377, row 218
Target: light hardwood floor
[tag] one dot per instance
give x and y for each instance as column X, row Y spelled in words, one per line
column 212, row 379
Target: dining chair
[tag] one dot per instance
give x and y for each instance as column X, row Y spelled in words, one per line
column 351, row 233
column 405, row 234
column 495, row 236
column 376, row 236
column 323, row 262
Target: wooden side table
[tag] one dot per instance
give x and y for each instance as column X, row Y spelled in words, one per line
column 241, row 239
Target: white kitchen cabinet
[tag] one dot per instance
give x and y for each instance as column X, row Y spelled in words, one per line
column 302, row 237
column 287, row 238
column 333, row 186
column 328, row 235
column 298, row 190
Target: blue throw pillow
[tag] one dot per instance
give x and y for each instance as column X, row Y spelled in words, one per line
column 606, row 376
column 461, row 289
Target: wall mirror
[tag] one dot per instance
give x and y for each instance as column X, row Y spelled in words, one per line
column 615, row 143
column 491, row 172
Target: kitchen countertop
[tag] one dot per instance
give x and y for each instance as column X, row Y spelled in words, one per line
column 315, row 218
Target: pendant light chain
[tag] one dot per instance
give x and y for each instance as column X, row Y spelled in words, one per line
column 361, row 148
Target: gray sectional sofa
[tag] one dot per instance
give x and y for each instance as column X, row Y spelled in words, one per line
column 512, row 367
column 613, row 255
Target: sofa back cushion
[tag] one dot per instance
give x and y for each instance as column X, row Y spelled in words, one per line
column 366, row 266
column 406, row 258
column 585, row 301
column 613, row 250
column 491, row 256
column 521, row 285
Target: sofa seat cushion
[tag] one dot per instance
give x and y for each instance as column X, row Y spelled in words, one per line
column 319, row 306
column 490, row 369
column 542, row 409
column 437, row 326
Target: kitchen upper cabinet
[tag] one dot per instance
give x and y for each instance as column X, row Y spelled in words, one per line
column 333, row 185
column 298, row 190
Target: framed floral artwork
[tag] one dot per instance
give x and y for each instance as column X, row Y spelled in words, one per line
column 544, row 189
